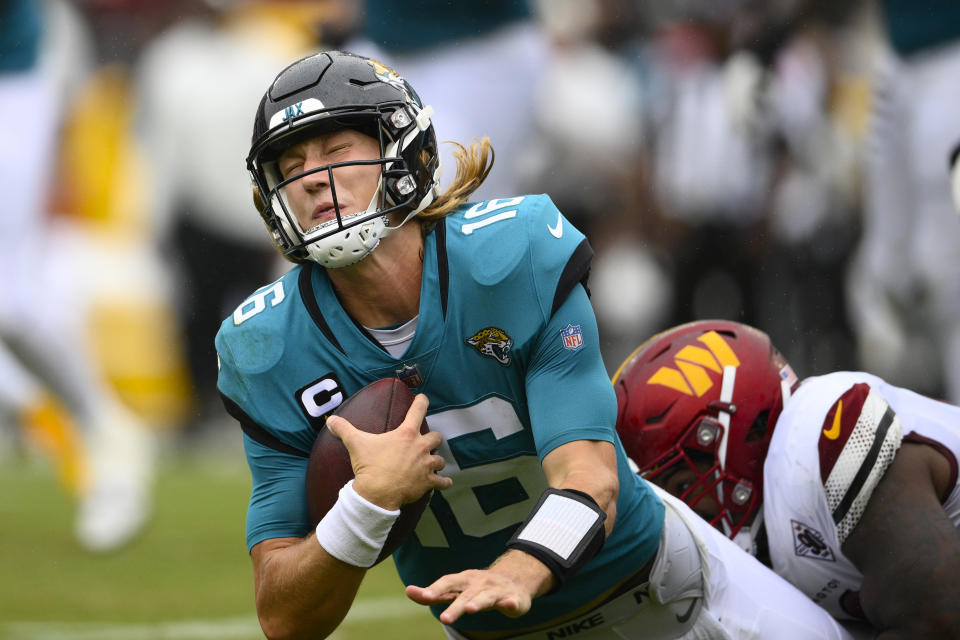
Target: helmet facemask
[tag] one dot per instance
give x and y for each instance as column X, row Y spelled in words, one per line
column 733, row 498
column 341, row 241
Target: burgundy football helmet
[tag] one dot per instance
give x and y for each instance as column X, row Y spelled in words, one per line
column 705, row 395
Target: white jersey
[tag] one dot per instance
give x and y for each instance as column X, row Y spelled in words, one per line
column 832, row 444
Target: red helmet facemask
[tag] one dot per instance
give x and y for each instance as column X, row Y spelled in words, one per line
column 706, row 396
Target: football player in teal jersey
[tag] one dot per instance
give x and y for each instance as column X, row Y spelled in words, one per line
column 538, row 527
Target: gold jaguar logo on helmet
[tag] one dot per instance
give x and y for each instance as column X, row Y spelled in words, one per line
column 382, row 69
column 492, row 343
column 387, row 75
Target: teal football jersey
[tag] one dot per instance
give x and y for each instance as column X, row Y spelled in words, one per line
column 507, row 351
column 915, row 26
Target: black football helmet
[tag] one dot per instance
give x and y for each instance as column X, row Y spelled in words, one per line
column 329, row 91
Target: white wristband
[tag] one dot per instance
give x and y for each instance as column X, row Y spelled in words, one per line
column 355, row 529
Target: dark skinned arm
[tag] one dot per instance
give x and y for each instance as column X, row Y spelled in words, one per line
column 909, row 551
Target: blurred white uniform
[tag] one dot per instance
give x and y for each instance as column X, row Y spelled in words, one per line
column 190, row 80
column 43, row 326
column 904, row 289
column 743, row 598
column 484, row 86
column 799, row 512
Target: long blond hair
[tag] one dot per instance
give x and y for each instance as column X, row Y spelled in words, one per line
column 474, row 163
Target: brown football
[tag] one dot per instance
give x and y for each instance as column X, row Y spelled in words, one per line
column 376, row 408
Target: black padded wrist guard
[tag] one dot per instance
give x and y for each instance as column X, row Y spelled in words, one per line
column 564, row 531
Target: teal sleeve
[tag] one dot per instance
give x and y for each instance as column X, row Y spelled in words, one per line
column 568, row 392
column 229, row 382
column 21, row 33
column 278, row 505
column 413, row 26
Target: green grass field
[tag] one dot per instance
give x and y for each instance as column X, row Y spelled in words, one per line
column 187, row 577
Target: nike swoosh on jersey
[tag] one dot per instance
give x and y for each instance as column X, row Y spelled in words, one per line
column 557, row 231
column 681, row 618
column 834, row 432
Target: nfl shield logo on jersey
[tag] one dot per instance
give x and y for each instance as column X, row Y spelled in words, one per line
column 572, row 337
column 410, row 375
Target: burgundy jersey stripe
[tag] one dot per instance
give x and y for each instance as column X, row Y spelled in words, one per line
column 836, row 430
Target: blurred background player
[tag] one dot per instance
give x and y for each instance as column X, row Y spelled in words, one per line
column 50, row 379
column 752, row 161
column 661, row 176
column 198, row 201
column 904, row 284
column 459, row 56
column 846, row 484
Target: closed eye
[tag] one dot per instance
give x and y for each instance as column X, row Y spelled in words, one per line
column 287, row 170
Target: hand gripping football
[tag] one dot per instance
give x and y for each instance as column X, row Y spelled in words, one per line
column 376, row 408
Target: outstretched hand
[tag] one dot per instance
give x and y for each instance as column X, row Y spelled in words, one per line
column 397, row 467
column 508, row 586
